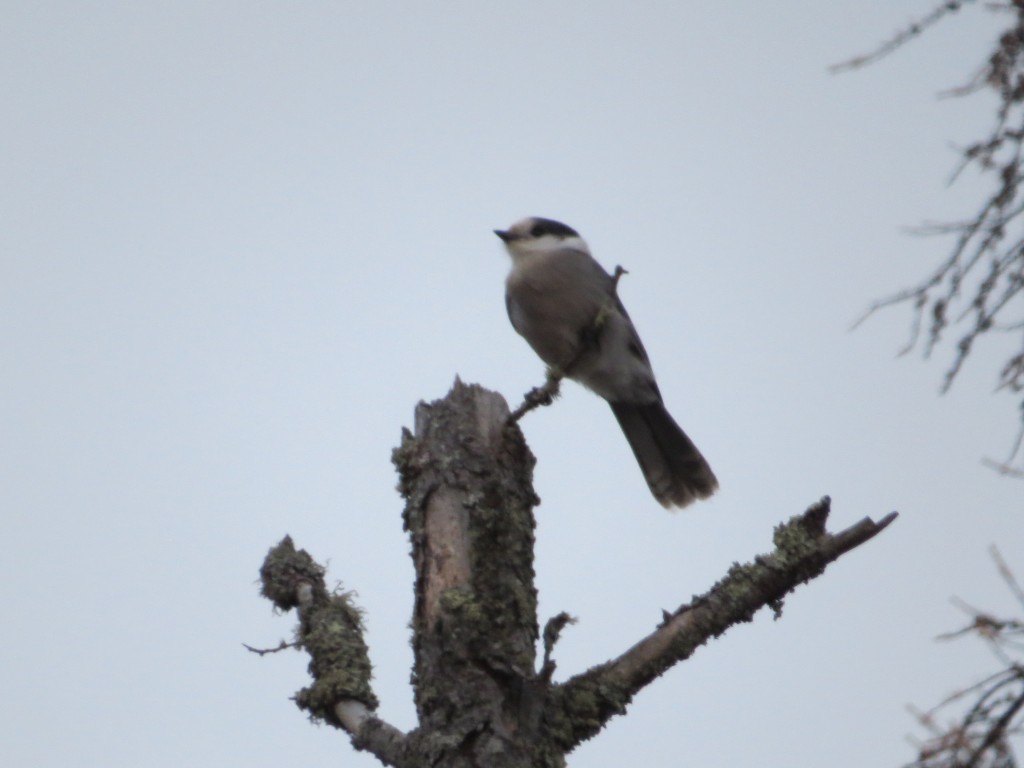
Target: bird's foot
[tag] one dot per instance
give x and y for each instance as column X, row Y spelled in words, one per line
column 538, row 396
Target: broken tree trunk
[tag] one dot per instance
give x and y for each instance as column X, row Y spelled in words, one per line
column 480, row 697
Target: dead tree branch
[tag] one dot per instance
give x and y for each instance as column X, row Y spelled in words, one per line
column 981, row 736
column 480, row 697
column 903, row 36
column 331, row 631
column 978, row 290
column 803, row 549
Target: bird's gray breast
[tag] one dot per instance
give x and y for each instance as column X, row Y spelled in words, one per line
column 552, row 297
column 554, row 301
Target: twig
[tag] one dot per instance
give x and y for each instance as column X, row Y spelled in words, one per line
column 552, row 631
column 264, row 651
column 1007, row 574
column 901, row 37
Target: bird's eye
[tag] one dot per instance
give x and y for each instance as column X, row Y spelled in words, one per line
column 538, row 230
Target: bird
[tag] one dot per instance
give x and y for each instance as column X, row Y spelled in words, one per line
column 566, row 307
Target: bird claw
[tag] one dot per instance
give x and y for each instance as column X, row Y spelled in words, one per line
column 538, row 396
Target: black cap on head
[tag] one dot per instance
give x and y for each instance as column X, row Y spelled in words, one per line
column 541, row 227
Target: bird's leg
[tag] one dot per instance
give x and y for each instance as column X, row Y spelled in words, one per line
column 538, row 396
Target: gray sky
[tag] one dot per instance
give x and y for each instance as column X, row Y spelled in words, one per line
column 241, row 240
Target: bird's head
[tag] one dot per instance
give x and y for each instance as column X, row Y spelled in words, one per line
column 538, row 235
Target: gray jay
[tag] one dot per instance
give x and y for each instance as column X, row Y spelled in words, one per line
column 565, row 305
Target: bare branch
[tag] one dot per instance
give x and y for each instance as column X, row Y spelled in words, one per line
column 1007, row 575
column 802, row 551
column 980, row 736
column 264, row 651
column 906, row 34
column 979, row 287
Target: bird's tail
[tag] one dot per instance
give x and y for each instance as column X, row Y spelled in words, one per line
column 675, row 471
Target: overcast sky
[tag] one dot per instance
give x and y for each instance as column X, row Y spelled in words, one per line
column 240, row 241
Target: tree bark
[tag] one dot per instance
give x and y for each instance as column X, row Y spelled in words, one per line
column 480, row 698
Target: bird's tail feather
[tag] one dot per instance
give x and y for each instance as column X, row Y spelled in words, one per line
column 675, row 470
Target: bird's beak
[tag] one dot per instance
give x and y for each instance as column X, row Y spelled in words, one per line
column 504, row 234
